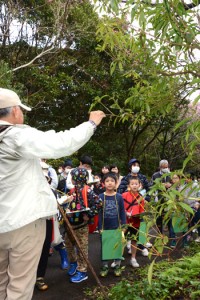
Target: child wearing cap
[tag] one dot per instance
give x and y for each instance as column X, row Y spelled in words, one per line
column 82, row 208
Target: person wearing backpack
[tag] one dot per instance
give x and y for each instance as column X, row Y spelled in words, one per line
column 80, row 210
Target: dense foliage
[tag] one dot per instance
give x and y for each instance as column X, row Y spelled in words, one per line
column 171, row 280
column 64, row 58
column 155, row 44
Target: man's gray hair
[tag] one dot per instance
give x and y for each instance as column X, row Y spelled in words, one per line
column 163, row 162
column 4, row 112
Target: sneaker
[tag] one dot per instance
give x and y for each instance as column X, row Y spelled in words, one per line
column 173, row 244
column 78, row 277
column 117, row 271
column 197, row 239
column 128, row 245
column 72, row 269
column 40, row 284
column 134, row 263
column 148, row 245
column 145, row 252
column 104, row 271
column 114, row 264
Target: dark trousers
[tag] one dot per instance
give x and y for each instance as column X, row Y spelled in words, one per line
column 159, row 223
column 172, row 234
column 45, row 250
column 196, row 219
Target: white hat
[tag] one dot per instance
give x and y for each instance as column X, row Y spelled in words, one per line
column 9, row 98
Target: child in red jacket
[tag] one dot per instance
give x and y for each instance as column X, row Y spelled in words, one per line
column 134, row 205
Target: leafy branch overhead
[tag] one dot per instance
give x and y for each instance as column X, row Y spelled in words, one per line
column 156, row 47
column 137, row 63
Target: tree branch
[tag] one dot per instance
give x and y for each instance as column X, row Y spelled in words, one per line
column 186, row 6
column 179, row 73
column 32, row 61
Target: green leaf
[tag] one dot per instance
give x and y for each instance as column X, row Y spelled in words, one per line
column 186, row 161
column 186, row 207
column 165, row 239
column 150, row 271
column 114, row 5
column 112, row 67
column 158, row 244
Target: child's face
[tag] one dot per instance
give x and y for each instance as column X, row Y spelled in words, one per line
column 134, row 185
column 110, row 183
column 97, row 178
column 115, row 170
column 104, row 170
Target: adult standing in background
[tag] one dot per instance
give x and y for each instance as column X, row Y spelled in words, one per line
column 134, row 170
column 26, row 199
column 163, row 174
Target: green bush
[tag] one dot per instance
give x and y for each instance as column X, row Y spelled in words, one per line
column 170, row 280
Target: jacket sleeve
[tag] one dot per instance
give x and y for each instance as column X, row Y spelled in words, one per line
column 30, row 142
column 54, row 177
column 100, row 218
column 145, row 183
column 94, row 203
column 69, row 181
column 123, row 185
column 122, row 213
column 124, row 196
column 146, row 186
column 153, row 178
column 142, row 206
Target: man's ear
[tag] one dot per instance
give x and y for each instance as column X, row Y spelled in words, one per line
column 14, row 111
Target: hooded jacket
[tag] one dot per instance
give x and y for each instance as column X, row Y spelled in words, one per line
column 25, row 195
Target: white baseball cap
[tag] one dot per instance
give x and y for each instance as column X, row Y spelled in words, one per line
column 9, row 98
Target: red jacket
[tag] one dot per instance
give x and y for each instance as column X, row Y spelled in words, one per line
column 134, row 204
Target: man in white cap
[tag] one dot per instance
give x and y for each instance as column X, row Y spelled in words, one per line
column 26, row 199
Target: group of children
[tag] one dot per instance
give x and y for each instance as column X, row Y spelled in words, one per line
column 114, row 211
column 99, row 205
